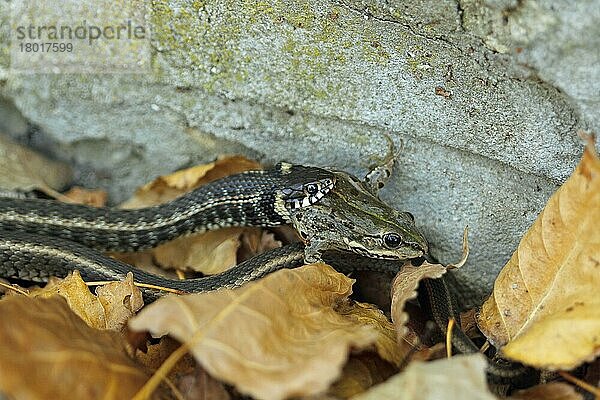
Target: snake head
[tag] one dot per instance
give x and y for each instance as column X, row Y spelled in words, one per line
column 304, row 187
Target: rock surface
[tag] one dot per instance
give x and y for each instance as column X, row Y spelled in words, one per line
column 485, row 97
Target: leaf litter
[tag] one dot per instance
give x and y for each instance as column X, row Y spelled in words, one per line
column 296, row 333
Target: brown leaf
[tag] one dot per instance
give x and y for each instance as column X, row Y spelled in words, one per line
column 460, row 377
column 94, row 198
column 404, row 288
column 120, row 301
column 360, row 373
column 545, row 306
column 22, row 169
column 113, row 305
column 548, row 391
column 255, row 241
column 274, row 338
column 48, row 352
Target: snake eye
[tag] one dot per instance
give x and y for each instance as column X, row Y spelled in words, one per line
column 311, row 188
column 392, row 240
column 412, row 217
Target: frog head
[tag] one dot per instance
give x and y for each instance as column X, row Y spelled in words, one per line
column 349, row 217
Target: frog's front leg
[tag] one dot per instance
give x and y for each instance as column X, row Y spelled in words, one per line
column 378, row 176
column 315, row 248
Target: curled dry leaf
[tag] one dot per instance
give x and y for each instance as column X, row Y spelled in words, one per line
column 545, row 306
column 274, row 338
column 404, row 288
column 113, row 305
column 22, row 169
column 48, row 352
column 460, row 377
column 211, row 252
column 406, row 282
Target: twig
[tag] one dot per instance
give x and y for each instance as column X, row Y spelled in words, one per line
column 449, row 337
column 14, row 289
column 582, row 384
column 161, row 373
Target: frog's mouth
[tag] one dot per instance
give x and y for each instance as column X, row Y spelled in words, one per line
column 366, row 253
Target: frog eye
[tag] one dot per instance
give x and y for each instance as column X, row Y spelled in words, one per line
column 392, row 240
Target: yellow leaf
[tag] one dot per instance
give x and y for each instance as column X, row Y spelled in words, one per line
column 274, row 338
column 545, row 305
column 460, row 377
column 48, row 352
column 114, row 304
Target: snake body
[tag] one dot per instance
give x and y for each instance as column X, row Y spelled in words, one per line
column 252, row 198
column 36, row 258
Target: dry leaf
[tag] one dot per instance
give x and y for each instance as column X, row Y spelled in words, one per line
column 460, row 377
column 386, row 343
column 406, row 282
column 48, row 352
column 114, row 304
column 211, row 252
column 201, row 386
column 22, row 169
column 360, row 373
column 548, row 391
column 120, row 301
column 256, row 241
column 404, row 288
column 545, row 305
column 78, row 195
column 273, row 338
column 187, row 376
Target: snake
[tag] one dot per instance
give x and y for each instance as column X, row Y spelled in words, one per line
column 331, row 210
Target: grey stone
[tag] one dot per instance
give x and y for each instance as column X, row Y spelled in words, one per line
column 485, row 96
